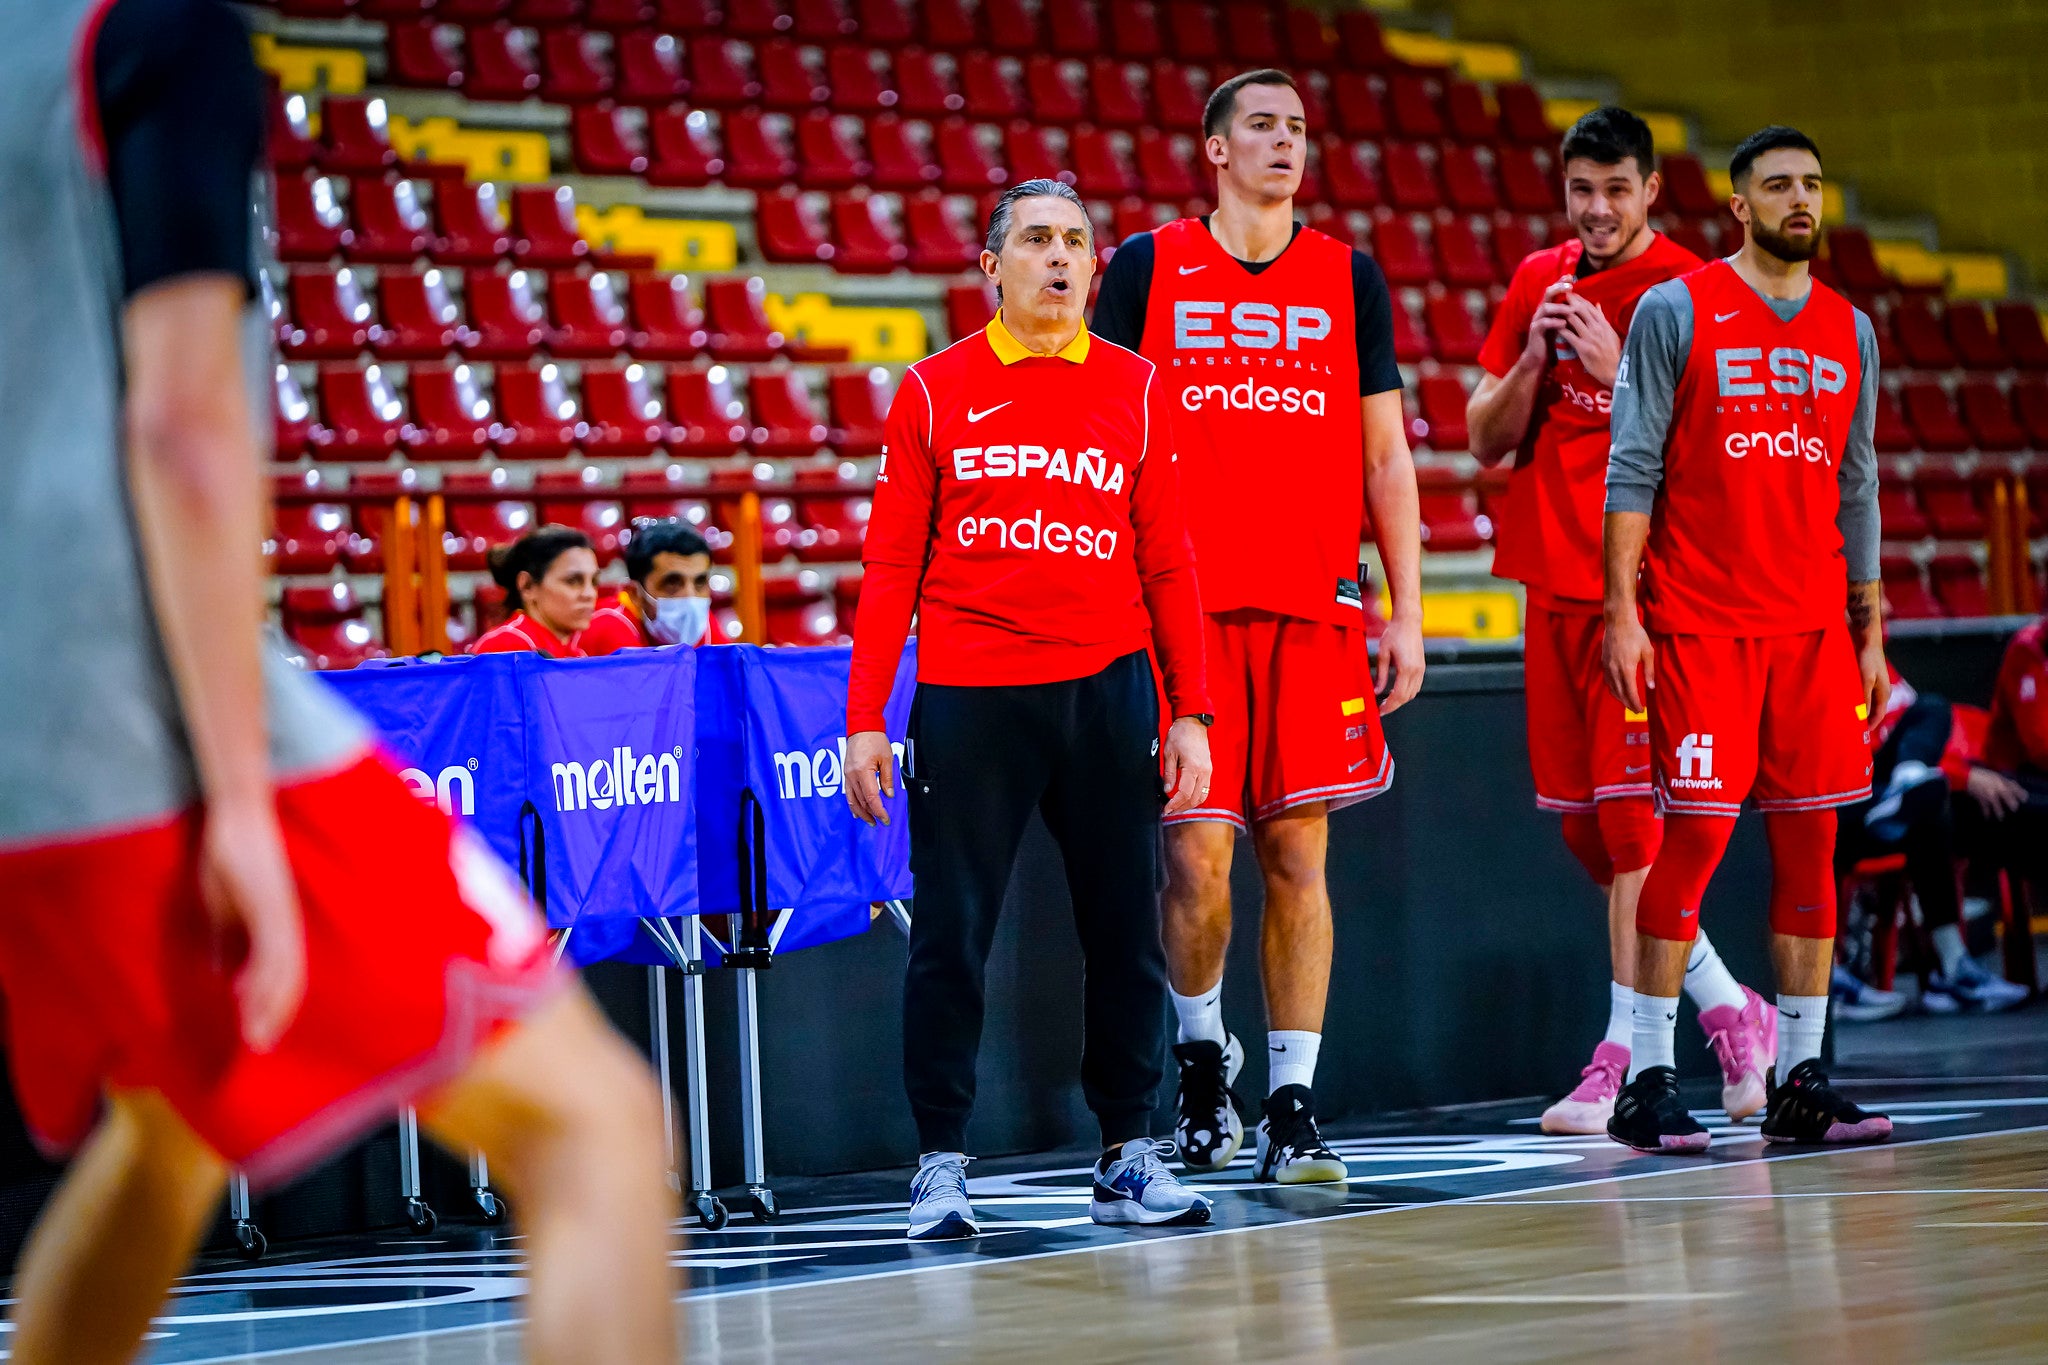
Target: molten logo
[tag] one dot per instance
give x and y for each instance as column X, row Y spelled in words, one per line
column 452, row 789
column 1696, row 753
column 621, row 779
column 821, row 772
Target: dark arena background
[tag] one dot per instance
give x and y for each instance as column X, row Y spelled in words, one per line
column 582, row 262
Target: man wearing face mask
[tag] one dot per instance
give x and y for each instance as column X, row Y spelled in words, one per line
column 669, row 600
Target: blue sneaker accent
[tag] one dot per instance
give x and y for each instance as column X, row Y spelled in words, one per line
column 938, row 1199
column 1134, row 1187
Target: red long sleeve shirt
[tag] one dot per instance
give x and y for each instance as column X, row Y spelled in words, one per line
column 2018, row 736
column 1028, row 512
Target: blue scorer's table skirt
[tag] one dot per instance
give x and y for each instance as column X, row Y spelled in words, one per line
column 653, row 784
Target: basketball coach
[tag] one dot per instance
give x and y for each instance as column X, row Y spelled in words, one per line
column 1027, row 512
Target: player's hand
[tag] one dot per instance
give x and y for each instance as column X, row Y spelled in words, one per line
column 1184, row 767
column 1397, row 674
column 1630, row 663
column 1877, row 679
column 1997, row 794
column 246, row 885
column 1550, row 316
column 1594, row 338
column 870, row 775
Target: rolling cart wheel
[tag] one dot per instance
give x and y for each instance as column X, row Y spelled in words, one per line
column 420, row 1217
column 761, row 1203
column 250, row 1244
column 711, row 1212
column 490, row 1206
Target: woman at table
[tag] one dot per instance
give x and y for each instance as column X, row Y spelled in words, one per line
column 551, row 573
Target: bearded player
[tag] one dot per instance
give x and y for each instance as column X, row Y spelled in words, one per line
column 1277, row 344
column 1550, row 360
column 1742, row 464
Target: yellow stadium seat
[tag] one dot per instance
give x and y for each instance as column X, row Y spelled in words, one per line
column 486, row 154
column 311, row 70
column 677, row 244
column 877, row 336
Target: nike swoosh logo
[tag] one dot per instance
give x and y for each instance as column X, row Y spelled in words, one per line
column 1687, row 914
column 974, row 416
column 1638, row 768
column 1279, row 1047
column 1789, row 1014
column 1191, row 269
column 1723, row 317
column 1356, row 766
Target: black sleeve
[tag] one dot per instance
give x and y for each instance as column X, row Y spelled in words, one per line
column 181, row 109
column 1374, row 310
column 1125, row 294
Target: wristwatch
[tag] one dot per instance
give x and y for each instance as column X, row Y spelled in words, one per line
column 1202, row 716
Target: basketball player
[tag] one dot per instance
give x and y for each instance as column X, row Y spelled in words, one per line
column 1276, row 345
column 1742, row 463
column 202, row 857
column 1550, row 360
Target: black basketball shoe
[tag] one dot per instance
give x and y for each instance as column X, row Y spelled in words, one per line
column 1291, row 1151
column 1650, row 1116
column 1805, row 1108
column 1207, row 1128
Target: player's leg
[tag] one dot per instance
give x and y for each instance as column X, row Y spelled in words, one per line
column 1295, row 943
column 119, row 1229
column 570, row 1121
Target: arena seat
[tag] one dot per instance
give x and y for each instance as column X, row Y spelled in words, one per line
column 1411, row 342
column 505, row 311
column 625, row 415
column 1686, row 189
column 425, row 54
column 942, row 236
column 1958, row 583
column 1011, row 26
column 1355, row 106
column 477, row 522
column 860, row 409
column 1190, row 30
column 1689, row 236
column 667, row 325
column 452, row 418
column 544, row 230
column 1177, row 97
column 540, row 417
column 1528, row 183
column 786, row 422
column 1072, row 27
column 1102, row 168
column 1468, row 181
column 1055, row 89
column 1360, row 42
column 721, row 73
column 602, row 141
column 1855, row 261
column 969, row 308
column 867, row 238
column 832, row 509
column 1462, row 258
column 355, row 135
column 1950, row 502
column 2030, row 401
column 1988, row 414
column 755, row 18
column 799, row 610
column 294, row 431
column 1442, row 399
column 860, row 80
column 991, row 92
column 903, row 153
column 577, row 498
column 689, row 16
column 1513, row 242
column 1451, row 520
column 1969, row 331
column 289, row 140
column 1523, row 119
column 826, row 157
column 846, row 599
column 311, row 223
column 1119, row 90
column 2019, row 328
column 331, row 316
column 823, row 21
column 1031, row 152
column 1466, row 115
column 361, row 409
column 1456, row 335
column 788, row 80
column 1248, row 33
column 1310, row 43
column 1891, row 435
column 1167, row 166
column 1906, row 597
column 650, row 68
column 1412, row 106
column 306, row 537
column 328, row 624
column 590, row 320
column 1350, row 179
column 887, row 22
column 1899, row 512
column 790, row 229
column 927, row 84
column 709, row 420
column 575, row 66
column 1133, row 29
column 1921, row 336
column 737, row 321
column 1933, row 416
column 503, row 62
column 681, row 149
column 1410, row 177
column 471, row 222
column 391, row 224
column 1314, row 89
column 1402, row 250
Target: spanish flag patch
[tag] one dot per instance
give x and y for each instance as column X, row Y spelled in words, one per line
column 1627, row 714
column 1354, row 706
column 1862, row 710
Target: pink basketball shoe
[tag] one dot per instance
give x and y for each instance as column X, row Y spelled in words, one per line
column 1745, row 1042
column 1591, row 1103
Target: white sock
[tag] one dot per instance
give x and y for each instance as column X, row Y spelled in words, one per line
column 1291, row 1058
column 1621, row 1014
column 1802, row 1021
column 1652, row 1033
column 1948, row 941
column 1707, row 981
column 1201, row 1016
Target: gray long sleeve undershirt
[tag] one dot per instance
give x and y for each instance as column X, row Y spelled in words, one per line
column 1652, row 358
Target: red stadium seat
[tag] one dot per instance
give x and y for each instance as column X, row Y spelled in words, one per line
column 541, row 418
column 473, row 229
column 327, row 623
column 860, row 80
column 618, row 15
column 544, row 230
column 1891, row 435
column 453, row 419
column 1899, row 512
column 575, row 66
column 790, row 228
column 1134, row 28
column 362, row 411
column 1522, row 117
column 542, row 13
column 1350, row 179
column 827, row 158
column 1011, row 25
column 1969, row 331
column 1466, row 114
column 1101, row 164
column 1951, row 504
column 1056, row 89
column 1513, row 242
column 846, row 598
column 1412, row 106
column 355, row 135
column 1119, row 89
column 426, row 54
column 786, row 422
column 307, row 537
column 590, row 319
column 738, row 320
column 1402, row 250
column 475, row 524
column 1451, row 520
column 992, row 92
column 722, row 74
column 624, row 412
column 1410, row 176
column 667, row 325
column 1686, row 190
column 1933, row 416
column 823, row 21
column 1456, row 333
column 680, row 148
column 1855, row 261
column 472, row 11
column 1310, row 43
column 1905, row 593
column 800, row 611
column 503, row 63
column 968, row 164
column 507, row 314
column 1958, row 581
column 1031, row 153
column 311, row 223
column 2030, row 398
column 1191, row 30
column 926, row 85
column 391, row 223
column 289, row 141
column 943, row 240
column 1248, row 33
column 1442, row 400
column 670, row 492
column 1921, row 336
column 788, row 79
column 1177, row 98
column 331, row 316
column 603, row 141
column 293, row 428
column 689, row 16
column 860, row 410
column 903, row 152
column 1167, row 166
column 1072, row 27
column 1360, row 45
column 650, row 68
column 834, row 523
column 890, row 23
column 1356, row 105
column 1462, row 257
column 969, row 308
column 1411, row 343
column 1689, row 236
column 757, row 18
column 1468, row 181
column 1526, row 182
column 578, row 498
column 2019, row 328
column 866, row 236
column 1988, row 415
column 710, row 422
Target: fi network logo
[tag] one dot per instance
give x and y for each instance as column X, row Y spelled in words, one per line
column 1696, row 764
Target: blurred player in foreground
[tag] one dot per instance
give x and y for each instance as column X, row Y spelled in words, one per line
column 202, row 857
column 1550, row 360
column 1276, row 346
column 1742, row 461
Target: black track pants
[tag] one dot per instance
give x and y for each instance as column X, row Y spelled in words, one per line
column 1083, row 752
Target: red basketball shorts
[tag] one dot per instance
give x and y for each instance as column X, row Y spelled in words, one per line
column 1296, row 720
column 420, row 947
column 1584, row 746
column 1776, row 718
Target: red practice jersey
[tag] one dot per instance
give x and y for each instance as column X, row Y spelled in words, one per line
column 1261, row 373
column 1744, row 541
column 1549, row 533
column 2018, row 735
column 1028, row 510
column 522, row 633
column 618, row 625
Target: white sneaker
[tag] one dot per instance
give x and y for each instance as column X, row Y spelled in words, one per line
column 1977, row 989
column 1134, row 1187
column 938, row 1199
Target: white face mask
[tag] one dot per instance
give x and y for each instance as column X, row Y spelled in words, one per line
column 679, row 620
